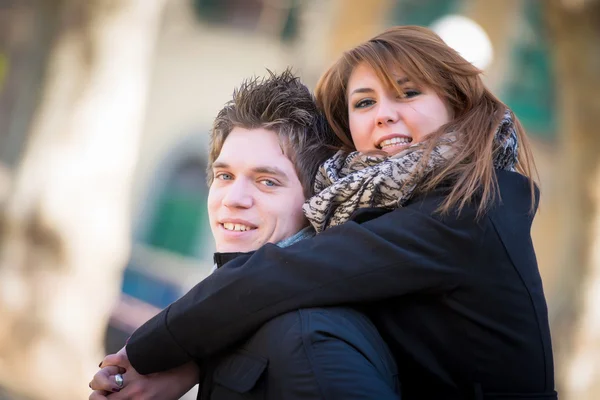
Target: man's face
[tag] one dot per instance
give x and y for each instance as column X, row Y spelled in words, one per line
column 255, row 196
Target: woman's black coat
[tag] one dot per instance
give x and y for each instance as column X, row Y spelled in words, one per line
column 458, row 299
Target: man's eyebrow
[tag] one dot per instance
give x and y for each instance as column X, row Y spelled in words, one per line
column 400, row 82
column 261, row 169
column 270, row 170
column 219, row 164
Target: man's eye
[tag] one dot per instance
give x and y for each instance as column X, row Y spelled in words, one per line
column 364, row 103
column 268, row 182
column 224, row 176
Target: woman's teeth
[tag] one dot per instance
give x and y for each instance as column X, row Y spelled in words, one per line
column 236, row 227
column 395, row 141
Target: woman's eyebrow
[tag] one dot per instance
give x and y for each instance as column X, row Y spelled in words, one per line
column 399, row 81
column 362, row 90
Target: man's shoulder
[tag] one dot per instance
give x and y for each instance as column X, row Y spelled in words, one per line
column 290, row 331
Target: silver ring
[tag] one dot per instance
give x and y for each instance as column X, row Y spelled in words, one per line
column 119, row 380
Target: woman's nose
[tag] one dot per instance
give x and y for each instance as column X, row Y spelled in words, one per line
column 388, row 112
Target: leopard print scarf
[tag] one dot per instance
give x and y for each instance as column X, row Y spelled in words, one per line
column 347, row 182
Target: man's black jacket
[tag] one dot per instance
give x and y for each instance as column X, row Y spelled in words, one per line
column 306, row 354
column 458, row 299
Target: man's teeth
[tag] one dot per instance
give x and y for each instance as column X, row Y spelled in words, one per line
column 395, row 141
column 236, row 227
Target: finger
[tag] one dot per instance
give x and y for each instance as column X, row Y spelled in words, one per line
column 124, row 395
column 105, row 379
column 115, row 359
column 119, row 370
column 99, row 395
column 131, row 390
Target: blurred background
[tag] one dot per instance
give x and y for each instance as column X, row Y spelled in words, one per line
column 105, row 108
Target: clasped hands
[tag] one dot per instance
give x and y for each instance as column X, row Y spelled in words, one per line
column 166, row 385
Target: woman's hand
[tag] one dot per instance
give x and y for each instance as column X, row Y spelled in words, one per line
column 104, row 382
column 166, row 385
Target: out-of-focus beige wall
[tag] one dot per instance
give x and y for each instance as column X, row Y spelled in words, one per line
column 198, row 64
column 196, row 68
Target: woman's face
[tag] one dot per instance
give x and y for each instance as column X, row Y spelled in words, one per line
column 381, row 119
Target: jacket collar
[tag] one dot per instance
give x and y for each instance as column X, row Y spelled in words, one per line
column 222, row 258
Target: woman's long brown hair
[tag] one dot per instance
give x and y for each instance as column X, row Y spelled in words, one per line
column 428, row 61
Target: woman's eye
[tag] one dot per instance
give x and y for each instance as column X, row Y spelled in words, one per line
column 409, row 93
column 364, row 103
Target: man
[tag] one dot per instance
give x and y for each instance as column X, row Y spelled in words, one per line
column 266, row 146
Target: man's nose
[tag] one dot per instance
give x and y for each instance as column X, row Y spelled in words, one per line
column 238, row 195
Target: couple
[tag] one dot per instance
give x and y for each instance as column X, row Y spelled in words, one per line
column 422, row 223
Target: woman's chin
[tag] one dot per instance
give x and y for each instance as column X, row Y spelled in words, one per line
column 393, row 150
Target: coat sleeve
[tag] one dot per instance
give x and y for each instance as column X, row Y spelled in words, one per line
column 404, row 251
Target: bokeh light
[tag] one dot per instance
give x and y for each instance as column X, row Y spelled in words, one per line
column 467, row 37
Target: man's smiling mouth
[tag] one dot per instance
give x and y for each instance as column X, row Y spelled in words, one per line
column 230, row 226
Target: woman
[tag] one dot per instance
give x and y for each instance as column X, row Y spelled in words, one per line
column 429, row 232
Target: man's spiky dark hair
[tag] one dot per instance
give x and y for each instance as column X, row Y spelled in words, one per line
column 283, row 104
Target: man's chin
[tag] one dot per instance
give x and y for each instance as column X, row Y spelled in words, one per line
column 236, row 248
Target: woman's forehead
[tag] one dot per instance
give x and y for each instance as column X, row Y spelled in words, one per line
column 390, row 77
